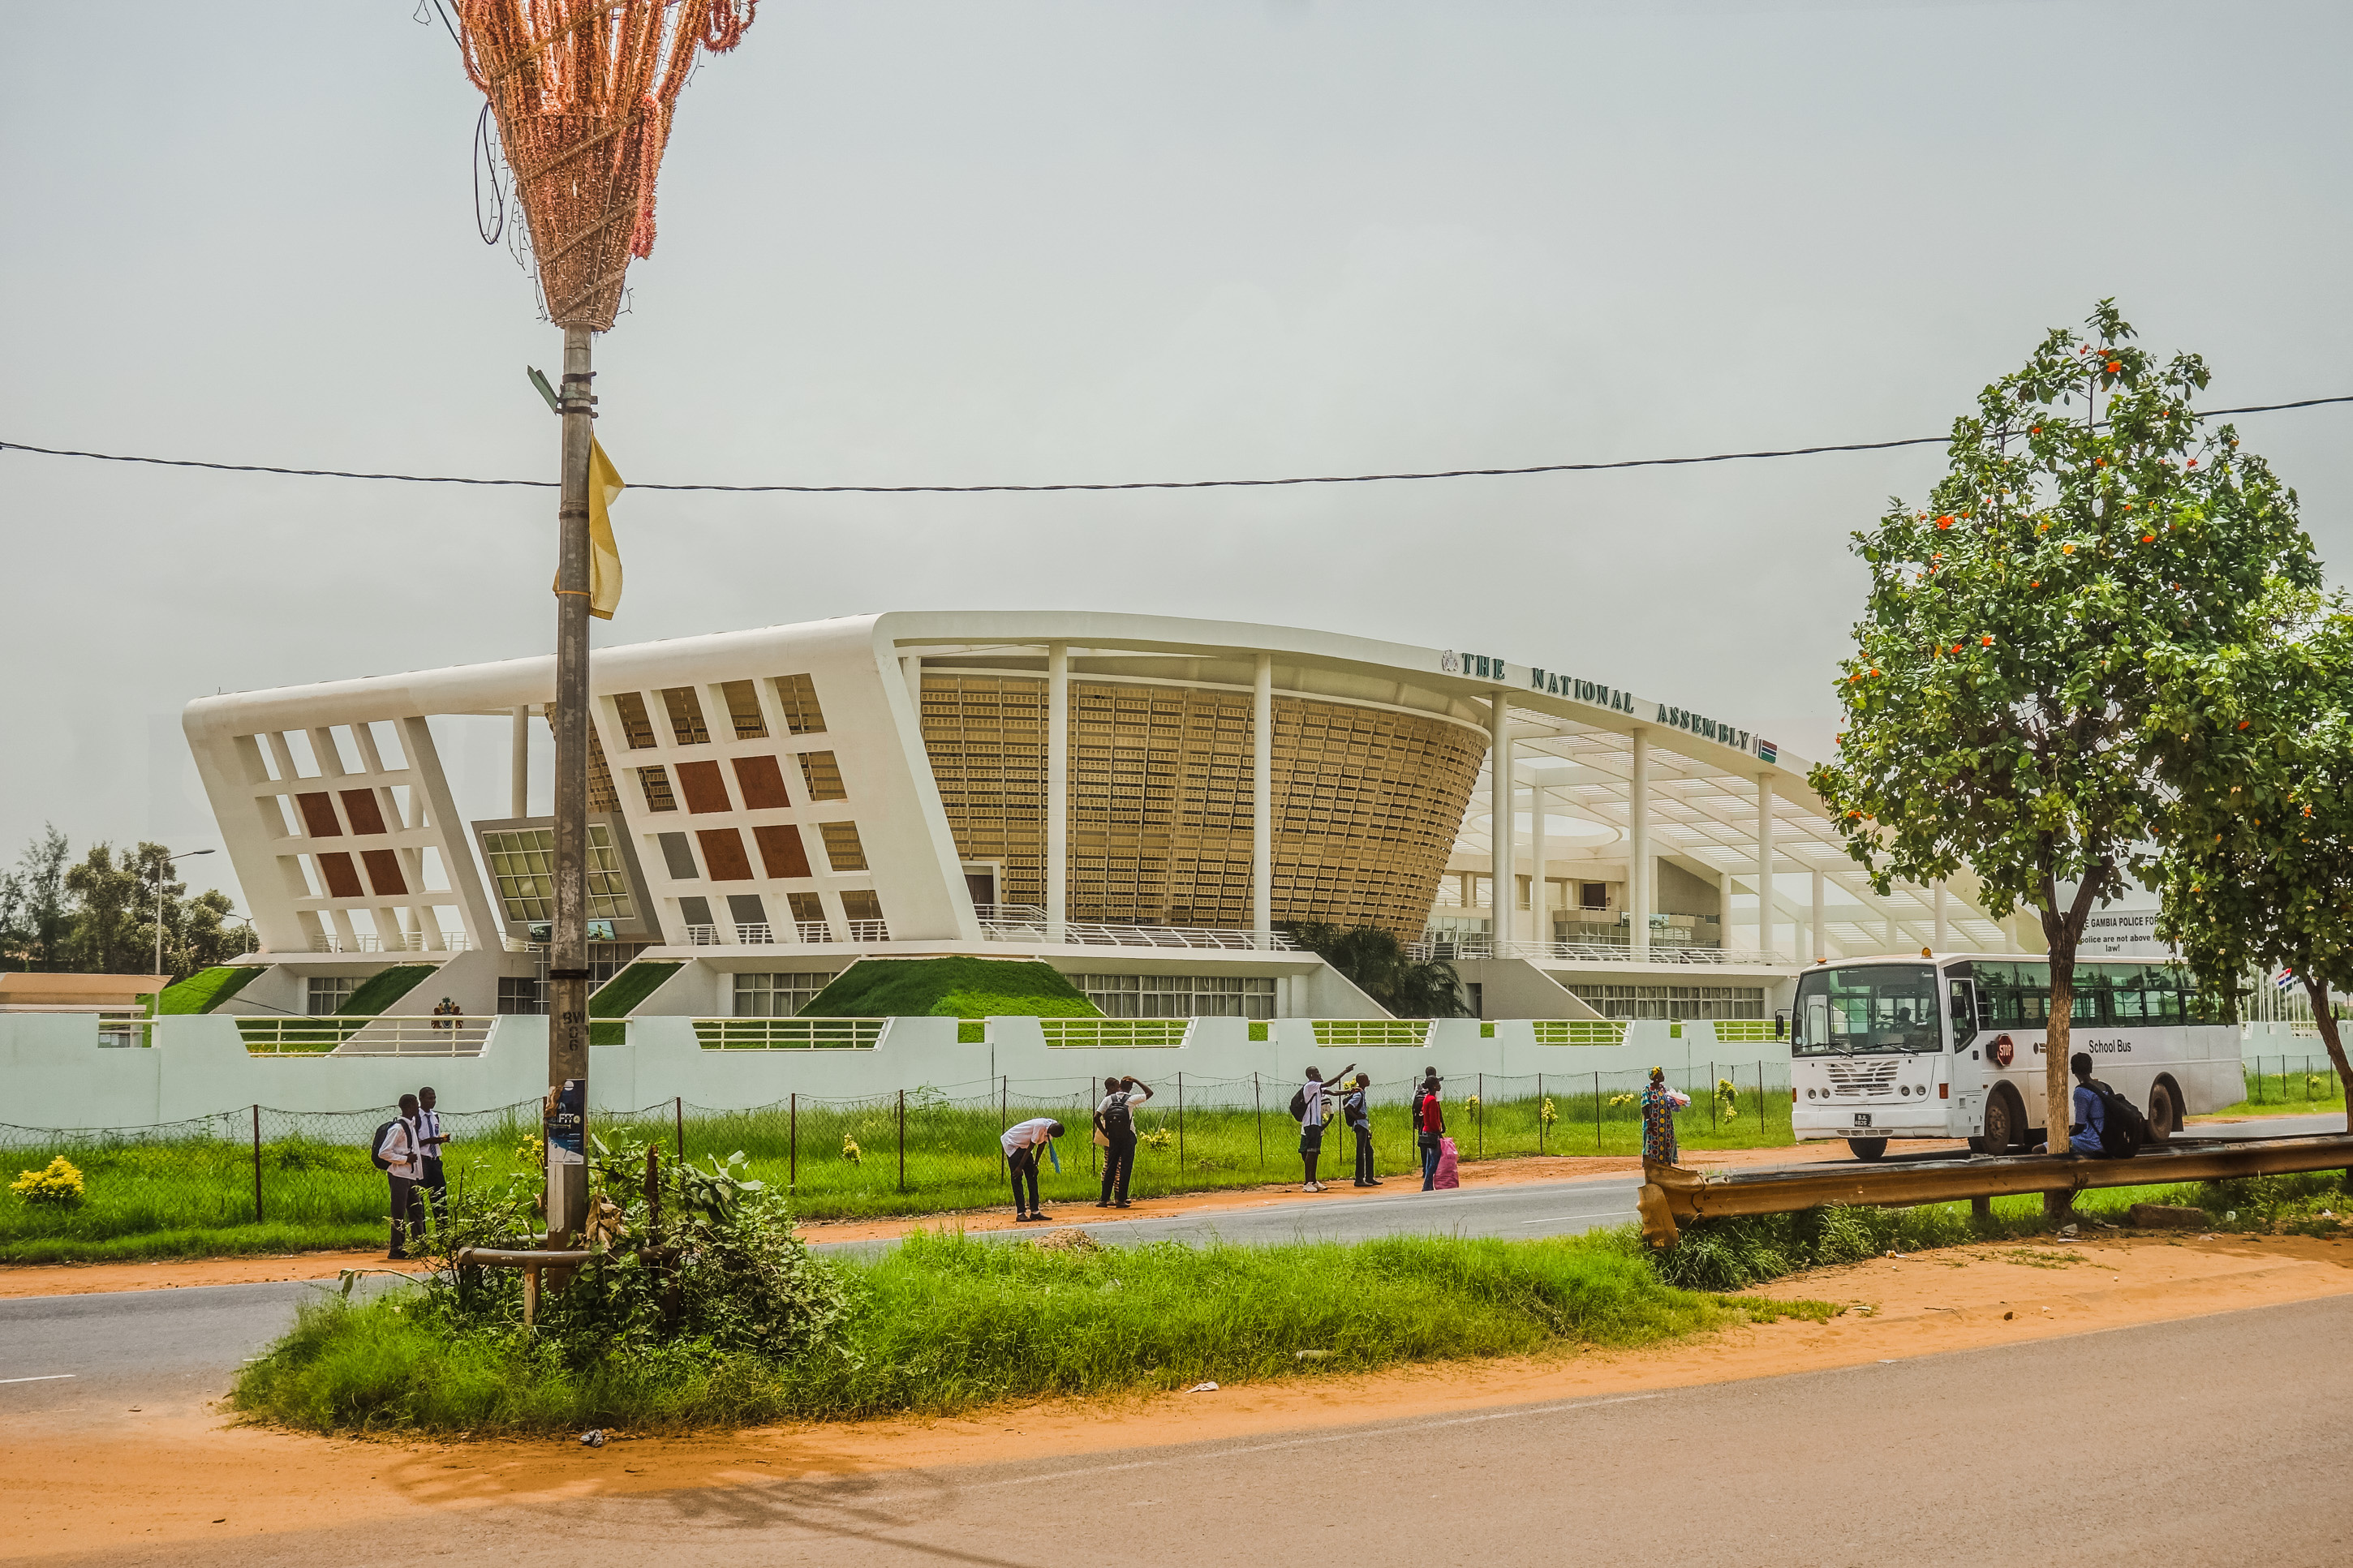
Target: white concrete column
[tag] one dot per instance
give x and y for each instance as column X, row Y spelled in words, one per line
column 1821, row 903
column 1057, row 789
column 1637, row 848
column 1944, row 922
column 1262, row 798
column 519, row 766
column 1765, row 863
column 1539, row 913
column 1500, row 833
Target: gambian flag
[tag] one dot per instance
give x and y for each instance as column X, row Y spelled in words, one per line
column 2284, row 979
column 1766, row 751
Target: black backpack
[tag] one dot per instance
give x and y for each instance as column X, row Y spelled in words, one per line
column 375, row 1146
column 1299, row 1103
column 2123, row 1131
column 1118, row 1121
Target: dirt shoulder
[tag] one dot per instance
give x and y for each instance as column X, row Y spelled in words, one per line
column 19, row 1280
column 157, row 1476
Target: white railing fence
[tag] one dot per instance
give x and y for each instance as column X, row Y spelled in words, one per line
column 1479, row 944
column 423, row 1035
column 789, row 1034
column 1113, row 1033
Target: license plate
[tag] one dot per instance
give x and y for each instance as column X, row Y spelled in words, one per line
column 1862, row 1118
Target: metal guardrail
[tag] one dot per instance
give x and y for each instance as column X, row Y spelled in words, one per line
column 1113, row 1033
column 1349, row 1032
column 1673, row 1195
column 424, row 1035
column 1477, row 944
column 789, row 1034
column 1092, row 933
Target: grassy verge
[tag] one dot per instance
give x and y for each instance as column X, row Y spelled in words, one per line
column 203, row 1241
column 194, row 1197
column 1734, row 1254
column 945, row 1324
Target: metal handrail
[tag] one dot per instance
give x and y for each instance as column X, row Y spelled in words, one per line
column 406, row 941
column 1352, row 1032
column 1478, row 944
column 399, row 1035
column 789, row 1034
column 1097, row 933
column 758, row 933
column 1113, row 1033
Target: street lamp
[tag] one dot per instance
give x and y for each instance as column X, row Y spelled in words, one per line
column 167, row 859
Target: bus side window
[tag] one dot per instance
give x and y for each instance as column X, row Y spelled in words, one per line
column 1962, row 1002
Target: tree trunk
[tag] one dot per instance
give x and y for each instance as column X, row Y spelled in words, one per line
column 2058, row 1091
column 2323, row 1016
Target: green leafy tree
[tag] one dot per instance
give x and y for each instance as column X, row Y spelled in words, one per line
column 1377, row 963
column 115, row 909
column 2257, row 869
column 35, row 921
column 1996, row 704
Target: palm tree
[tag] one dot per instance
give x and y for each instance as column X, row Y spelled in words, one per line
column 1377, row 963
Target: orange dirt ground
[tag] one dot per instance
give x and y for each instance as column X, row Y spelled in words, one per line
column 161, row 1475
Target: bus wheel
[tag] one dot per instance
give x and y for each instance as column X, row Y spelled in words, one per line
column 2164, row 1114
column 2001, row 1122
column 1867, row 1148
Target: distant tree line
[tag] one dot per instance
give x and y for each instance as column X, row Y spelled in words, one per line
column 97, row 915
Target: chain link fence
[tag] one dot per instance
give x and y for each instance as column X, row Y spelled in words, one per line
column 927, row 1149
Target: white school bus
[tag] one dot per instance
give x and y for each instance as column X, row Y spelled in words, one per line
column 1885, row 1048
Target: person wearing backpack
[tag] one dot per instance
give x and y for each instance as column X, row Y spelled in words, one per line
column 1359, row 1118
column 2108, row 1126
column 1115, row 1130
column 1429, row 1120
column 399, row 1154
column 1311, row 1104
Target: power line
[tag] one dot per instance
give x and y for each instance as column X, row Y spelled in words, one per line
column 7, row 446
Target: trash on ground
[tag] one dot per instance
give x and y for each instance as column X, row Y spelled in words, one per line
column 592, row 1438
column 1203, row 1388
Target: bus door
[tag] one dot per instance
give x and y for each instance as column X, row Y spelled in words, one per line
column 1965, row 1042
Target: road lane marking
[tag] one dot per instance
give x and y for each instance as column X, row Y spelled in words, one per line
column 49, row 1377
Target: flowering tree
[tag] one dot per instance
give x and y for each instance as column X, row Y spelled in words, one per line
column 1998, row 699
column 2257, row 745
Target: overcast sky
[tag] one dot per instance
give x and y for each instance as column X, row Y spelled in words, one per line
column 971, row 242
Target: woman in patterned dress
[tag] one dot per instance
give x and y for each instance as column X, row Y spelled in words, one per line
column 1659, row 1104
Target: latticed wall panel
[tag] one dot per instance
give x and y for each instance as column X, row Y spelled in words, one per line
column 1367, row 802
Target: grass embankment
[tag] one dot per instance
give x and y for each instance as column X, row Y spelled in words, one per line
column 613, row 1000
column 949, row 988
column 206, row 989
column 943, row 1324
column 194, row 1197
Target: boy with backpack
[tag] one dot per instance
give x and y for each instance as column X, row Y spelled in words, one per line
column 2108, row 1126
column 1359, row 1118
column 399, row 1153
column 1115, row 1130
column 1310, row 1105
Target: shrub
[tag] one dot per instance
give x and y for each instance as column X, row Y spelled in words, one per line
column 57, row 1185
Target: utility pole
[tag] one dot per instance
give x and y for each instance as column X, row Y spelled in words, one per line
column 567, row 966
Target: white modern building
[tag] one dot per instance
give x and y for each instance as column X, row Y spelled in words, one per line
column 1144, row 802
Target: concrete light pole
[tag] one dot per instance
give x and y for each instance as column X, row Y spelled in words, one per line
column 567, row 957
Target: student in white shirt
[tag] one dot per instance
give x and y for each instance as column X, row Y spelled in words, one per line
column 1316, row 1106
column 1021, row 1142
column 430, row 1138
column 1115, row 1130
column 404, row 1161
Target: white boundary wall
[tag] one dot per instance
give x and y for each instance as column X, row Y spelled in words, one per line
column 54, row 1073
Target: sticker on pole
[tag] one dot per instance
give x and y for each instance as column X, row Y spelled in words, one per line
column 567, row 1123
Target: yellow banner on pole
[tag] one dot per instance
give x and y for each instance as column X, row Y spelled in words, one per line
column 604, row 486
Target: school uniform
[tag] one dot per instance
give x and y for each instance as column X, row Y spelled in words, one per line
column 1359, row 1118
column 1021, row 1143
column 404, row 1163
column 1119, row 1151
column 434, row 1183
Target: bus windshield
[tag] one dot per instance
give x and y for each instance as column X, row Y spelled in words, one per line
column 1870, row 1008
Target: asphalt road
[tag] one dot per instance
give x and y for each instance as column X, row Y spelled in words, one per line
column 2212, row 1440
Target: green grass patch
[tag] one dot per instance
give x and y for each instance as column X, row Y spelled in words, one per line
column 1734, row 1254
column 2290, row 1086
column 190, row 1195
column 945, row 1324
column 611, row 1003
column 222, row 1241
column 207, row 988
column 382, row 989
column 949, row 988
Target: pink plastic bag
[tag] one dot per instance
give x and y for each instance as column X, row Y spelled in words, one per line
column 1448, row 1175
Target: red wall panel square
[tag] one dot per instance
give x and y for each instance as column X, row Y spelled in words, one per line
column 342, row 877
column 705, row 788
column 360, row 806
column 780, row 848
column 722, row 853
column 762, row 784
column 319, row 815
column 384, row 872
